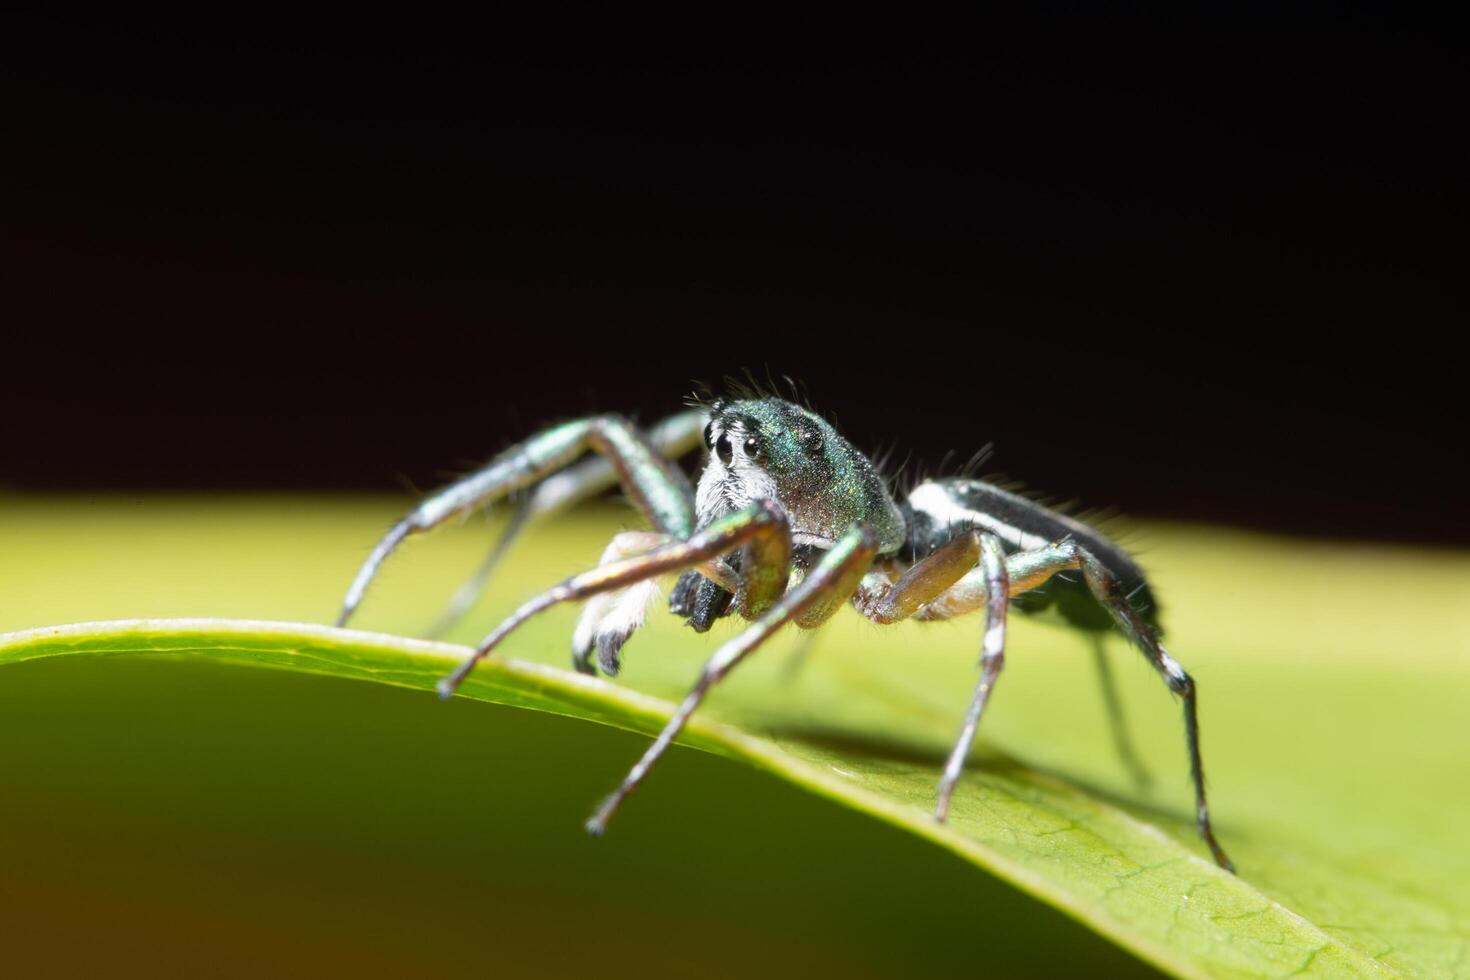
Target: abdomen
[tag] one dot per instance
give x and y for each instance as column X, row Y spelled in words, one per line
column 937, row 510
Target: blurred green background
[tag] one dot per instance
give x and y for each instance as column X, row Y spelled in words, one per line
column 177, row 819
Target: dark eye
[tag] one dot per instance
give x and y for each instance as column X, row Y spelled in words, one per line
column 811, row 440
column 752, row 446
column 709, row 435
column 723, row 449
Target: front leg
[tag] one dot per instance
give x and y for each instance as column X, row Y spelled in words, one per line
column 760, row 529
column 820, row 593
column 657, row 487
column 673, row 437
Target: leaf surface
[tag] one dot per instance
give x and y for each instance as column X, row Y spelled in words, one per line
column 1330, row 771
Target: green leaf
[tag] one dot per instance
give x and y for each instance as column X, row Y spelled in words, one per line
column 1333, row 744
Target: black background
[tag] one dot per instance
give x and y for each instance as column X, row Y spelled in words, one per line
column 1202, row 267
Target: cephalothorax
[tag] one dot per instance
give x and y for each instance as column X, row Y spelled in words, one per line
column 787, row 522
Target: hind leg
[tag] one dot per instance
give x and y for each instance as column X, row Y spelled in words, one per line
column 1026, row 570
column 1030, row 569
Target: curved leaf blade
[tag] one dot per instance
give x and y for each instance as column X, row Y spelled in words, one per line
column 1093, row 859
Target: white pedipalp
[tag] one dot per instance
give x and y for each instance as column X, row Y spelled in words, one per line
column 624, row 617
column 593, row 612
column 608, row 619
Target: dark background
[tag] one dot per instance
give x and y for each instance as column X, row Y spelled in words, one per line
column 1198, row 267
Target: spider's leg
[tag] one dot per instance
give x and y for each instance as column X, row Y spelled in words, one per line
column 926, row 580
column 1110, row 594
column 1116, row 720
column 929, row 580
column 674, row 436
column 657, row 487
column 969, row 594
column 992, row 659
column 473, row 587
column 761, row 529
column 800, row 655
column 1030, row 569
column 940, row 508
column 820, row 593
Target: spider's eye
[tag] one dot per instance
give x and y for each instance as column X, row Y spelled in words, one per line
column 811, row 440
column 709, row 435
column 752, row 446
column 723, row 449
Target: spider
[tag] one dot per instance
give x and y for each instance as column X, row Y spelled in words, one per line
column 786, row 523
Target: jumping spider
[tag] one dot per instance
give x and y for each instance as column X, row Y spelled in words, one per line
column 787, row 522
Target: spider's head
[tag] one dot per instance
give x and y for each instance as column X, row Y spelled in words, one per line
column 770, row 449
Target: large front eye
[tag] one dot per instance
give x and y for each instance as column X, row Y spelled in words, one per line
column 723, row 449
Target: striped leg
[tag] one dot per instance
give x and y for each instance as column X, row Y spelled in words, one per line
column 761, row 529
column 930, row 580
column 1030, row 569
column 1109, row 592
column 820, row 593
column 655, row 485
column 992, row 659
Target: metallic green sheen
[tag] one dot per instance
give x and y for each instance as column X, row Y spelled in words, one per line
column 824, row 483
